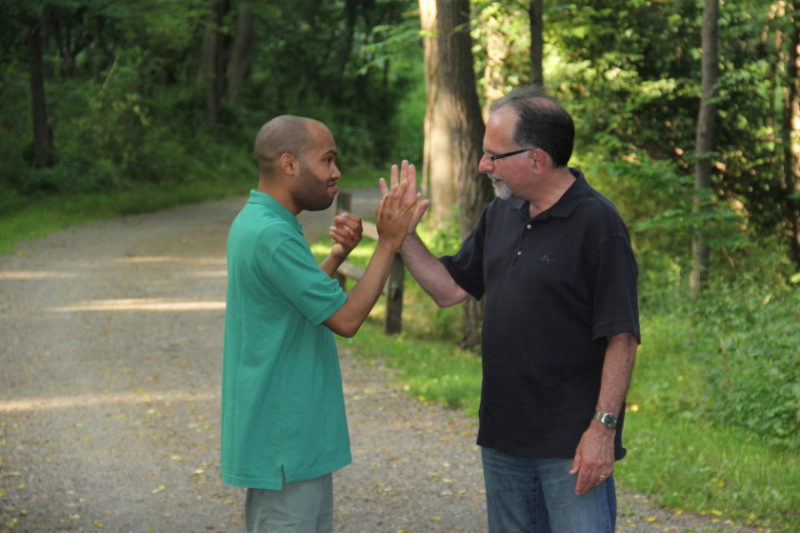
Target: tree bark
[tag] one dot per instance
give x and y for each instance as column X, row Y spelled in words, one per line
column 212, row 69
column 790, row 132
column 535, row 12
column 42, row 133
column 704, row 142
column 240, row 55
column 437, row 173
column 458, row 101
column 496, row 54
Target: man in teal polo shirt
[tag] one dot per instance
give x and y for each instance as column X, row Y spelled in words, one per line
column 284, row 429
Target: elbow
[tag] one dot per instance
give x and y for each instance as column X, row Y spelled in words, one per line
column 347, row 332
column 343, row 328
column 444, row 302
column 450, row 298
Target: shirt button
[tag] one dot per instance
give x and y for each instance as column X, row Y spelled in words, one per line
column 529, row 226
column 519, row 252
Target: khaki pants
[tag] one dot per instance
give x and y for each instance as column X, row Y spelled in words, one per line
column 301, row 507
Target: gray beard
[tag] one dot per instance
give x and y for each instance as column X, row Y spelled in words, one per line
column 502, row 191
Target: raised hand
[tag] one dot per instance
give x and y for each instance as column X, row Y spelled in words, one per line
column 408, row 173
column 396, row 212
column 346, row 234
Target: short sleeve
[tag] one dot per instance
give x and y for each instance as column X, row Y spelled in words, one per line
column 615, row 300
column 291, row 269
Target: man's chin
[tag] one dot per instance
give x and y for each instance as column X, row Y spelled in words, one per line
column 502, row 191
column 320, row 206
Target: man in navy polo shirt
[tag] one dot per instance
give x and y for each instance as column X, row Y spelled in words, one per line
column 553, row 259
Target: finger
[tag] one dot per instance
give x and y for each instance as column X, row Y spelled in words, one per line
column 394, row 175
column 575, row 466
column 418, row 213
column 412, row 175
column 384, row 188
column 583, row 485
column 336, row 233
column 346, row 222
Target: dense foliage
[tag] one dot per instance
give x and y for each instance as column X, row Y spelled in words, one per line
column 127, row 88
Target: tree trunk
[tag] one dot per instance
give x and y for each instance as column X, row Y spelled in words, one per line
column 437, row 174
column 496, row 55
column 42, row 134
column 240, row 55
column 535, row 12
column 705, row 139
column 790, row 134
column 458, row 101
column 212, row 68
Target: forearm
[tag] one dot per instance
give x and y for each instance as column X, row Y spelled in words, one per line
column 331, row 263
column 432, row 276
column 364, row 294
column 594, row 456
column 617, row 370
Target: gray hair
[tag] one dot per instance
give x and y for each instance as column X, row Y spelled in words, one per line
column 541, row 122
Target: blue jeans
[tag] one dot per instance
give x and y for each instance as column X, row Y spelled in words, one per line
column 538, row 496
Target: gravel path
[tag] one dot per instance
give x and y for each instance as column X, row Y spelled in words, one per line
column 110, row 348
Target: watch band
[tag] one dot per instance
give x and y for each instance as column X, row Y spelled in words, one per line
column 609, row 420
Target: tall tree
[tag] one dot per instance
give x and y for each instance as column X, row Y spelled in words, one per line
column 704, row 143
column 240, row 54
column 437, row 175
column 791, row 132
column 535, row 14
column 42, row 133
column 213, row 67
column 458, row 101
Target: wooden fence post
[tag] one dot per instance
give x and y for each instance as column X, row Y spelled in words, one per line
column 394, row 297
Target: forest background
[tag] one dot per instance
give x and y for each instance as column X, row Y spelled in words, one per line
column 115, row 107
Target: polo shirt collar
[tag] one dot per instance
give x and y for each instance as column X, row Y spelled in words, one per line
column 566, row 204
column 265, row 200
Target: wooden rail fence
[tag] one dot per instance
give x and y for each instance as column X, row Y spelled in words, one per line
column 393, row 291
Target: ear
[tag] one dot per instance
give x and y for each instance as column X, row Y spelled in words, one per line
column 538, row 159
column 288, row 164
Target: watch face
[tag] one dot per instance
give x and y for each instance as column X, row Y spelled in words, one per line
column 609, row 421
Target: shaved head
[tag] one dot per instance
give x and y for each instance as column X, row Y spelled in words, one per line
column 283, row 134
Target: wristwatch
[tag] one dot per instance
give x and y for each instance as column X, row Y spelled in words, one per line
column 609, row 420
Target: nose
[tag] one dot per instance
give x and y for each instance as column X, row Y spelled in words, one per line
column 336, row 175
column 485, row 164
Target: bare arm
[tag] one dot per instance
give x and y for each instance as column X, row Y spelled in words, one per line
column 393, row 216
column 426, row 269
column 594, row 456
column 430, row 273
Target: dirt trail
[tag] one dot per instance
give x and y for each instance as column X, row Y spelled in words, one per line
column 110, row 352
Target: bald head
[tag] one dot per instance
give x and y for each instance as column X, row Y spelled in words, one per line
column 283, row 134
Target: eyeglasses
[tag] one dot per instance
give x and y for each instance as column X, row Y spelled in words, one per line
column 494, row 158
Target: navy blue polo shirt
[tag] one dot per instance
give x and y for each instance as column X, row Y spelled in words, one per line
column 556, row 287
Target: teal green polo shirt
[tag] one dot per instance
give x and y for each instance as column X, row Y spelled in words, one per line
column 282, row 400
